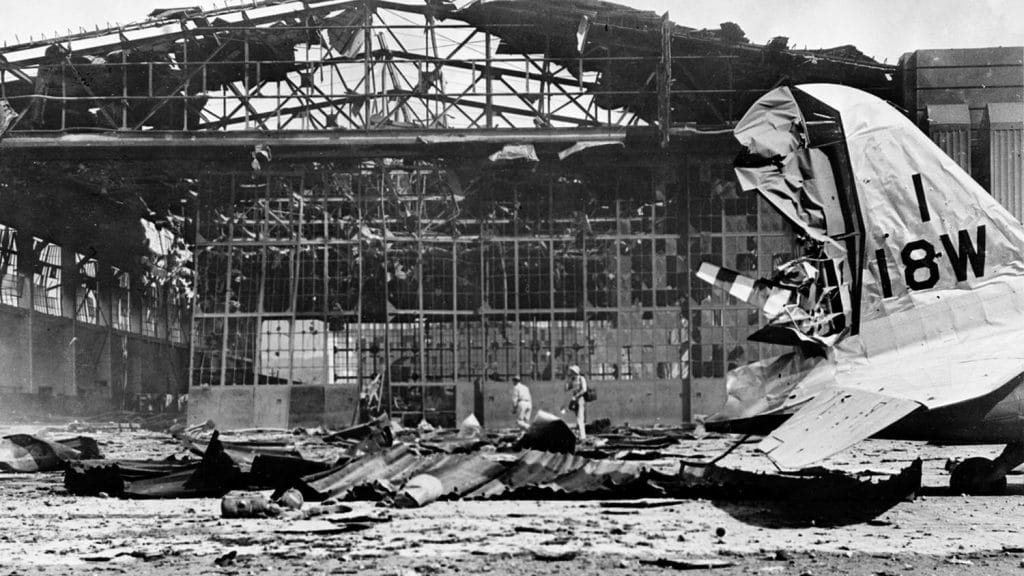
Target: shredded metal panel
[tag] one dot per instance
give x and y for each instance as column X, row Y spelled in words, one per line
column 833, row 421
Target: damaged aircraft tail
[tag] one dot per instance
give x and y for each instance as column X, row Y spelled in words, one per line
column 910, row 289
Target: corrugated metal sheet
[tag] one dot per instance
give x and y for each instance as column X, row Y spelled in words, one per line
column 534, row 474
column 1005, row 146
column 394, row 466
column 949, row 126
column 533, row 467
column 462, row 473
column 539, row 474
column 598, row 476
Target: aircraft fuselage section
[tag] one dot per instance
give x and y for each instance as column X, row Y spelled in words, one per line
column 997, row 418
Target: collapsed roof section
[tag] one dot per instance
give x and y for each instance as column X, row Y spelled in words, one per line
column 242, row 67
column 157, row 81
column 716, row 74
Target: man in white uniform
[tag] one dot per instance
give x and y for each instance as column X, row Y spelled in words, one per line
column 522, row 403
column 576, row 386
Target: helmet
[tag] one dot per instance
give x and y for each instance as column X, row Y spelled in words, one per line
column 574, row 369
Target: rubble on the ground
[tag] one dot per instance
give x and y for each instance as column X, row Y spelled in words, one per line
column 303, row 473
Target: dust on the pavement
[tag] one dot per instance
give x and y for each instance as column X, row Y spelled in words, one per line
column 47, row 529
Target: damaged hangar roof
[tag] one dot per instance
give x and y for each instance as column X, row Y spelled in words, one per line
column 716, row 74
column 613, row 51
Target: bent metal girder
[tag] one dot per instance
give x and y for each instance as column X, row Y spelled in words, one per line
column 306, row 66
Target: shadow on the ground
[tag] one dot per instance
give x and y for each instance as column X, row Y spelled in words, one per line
column 804, row 513
column 1011, row 490
column 810, row 497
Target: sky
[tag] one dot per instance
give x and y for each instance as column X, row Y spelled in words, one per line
column 883, row 29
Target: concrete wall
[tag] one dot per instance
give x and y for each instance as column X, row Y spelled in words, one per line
column 52, row 355
column 270, row 406
column 334, row 406
column 16, row 372
column 341, row 402
column 639, row 403
column 230, row 407
column 274, row 406
column 86, row 367
column 708, row 395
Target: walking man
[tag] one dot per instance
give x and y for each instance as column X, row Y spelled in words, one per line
column 576, row 386
column 522, row 403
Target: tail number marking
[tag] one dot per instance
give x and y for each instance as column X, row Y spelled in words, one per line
column 921, row 270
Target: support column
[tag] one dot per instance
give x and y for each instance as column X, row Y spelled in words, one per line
column 105, row 283
column 26, row 271
column 70, row 282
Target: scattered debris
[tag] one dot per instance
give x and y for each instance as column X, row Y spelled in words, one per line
column 216, row 475
column 470, row 427
column 599, row 426
column 226, row 559
column 515, row 152
column 282, row 472
column 248, row 505
column 25, row 453
column 554, row 555
column 423, row 467
column 322, row 527
column 548, row 433
column 95, row 477
column 378, row 429
column 643, row 503
column 689, row 563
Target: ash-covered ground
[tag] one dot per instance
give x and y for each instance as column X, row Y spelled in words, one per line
column 47, row 531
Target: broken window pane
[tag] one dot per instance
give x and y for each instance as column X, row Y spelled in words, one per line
column 10, row 277
column 48, row 293
column 150, row 309
column 121, row 299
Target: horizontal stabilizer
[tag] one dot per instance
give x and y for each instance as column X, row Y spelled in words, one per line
column 833, row 421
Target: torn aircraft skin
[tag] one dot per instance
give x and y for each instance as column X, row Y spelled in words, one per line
column 907, row 303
